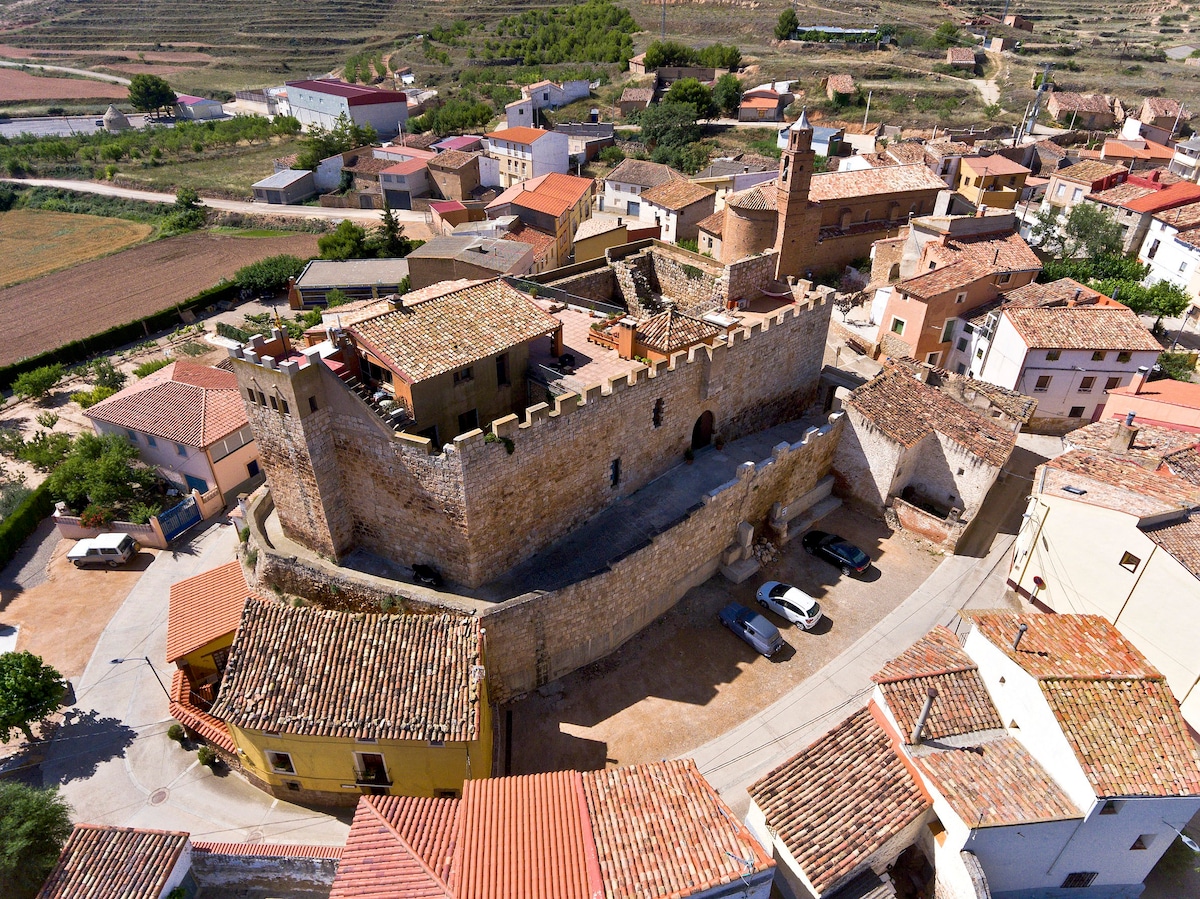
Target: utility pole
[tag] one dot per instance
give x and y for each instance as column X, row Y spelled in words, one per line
column 664, row 19
column 1004, row 15
column 1031, row 119
column 868, row 112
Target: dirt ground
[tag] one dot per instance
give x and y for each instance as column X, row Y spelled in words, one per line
column 18, row 85
column 686, row 679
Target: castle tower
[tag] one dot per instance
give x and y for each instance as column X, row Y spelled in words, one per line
column 798, row 224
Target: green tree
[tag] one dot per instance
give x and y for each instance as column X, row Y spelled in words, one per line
column 347, row 241
column 149, row 93
column 101, row 471
column 336, row 297
column 787, row 24
column 946, row 35
column 727, row 94
column 37, row 383
column 35, row 824
column 268, row 275
column 388, row 240
column 321, row 143
column 1177, row 366
column 669, row 53
column 671, row 124
column 1087, row 231
column 690, row 90
column 107, row 375
column 29, row 691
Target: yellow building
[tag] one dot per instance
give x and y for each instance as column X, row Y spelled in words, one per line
column 993, row 181
column 327, row 706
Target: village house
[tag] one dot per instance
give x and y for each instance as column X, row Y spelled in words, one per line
column 1134, row 203
column 552, row 94
column 1069, row 185
column 1094, row 112
column 596, row 236
column 1135, row 492
column 1062, row 343
column 991, row 181
column 727, row 176
column 1186, row 160
column 762, row 106
column 188, row 422
column 317, row 720
column 624, row 185
column 285, row 188
column 197, row 109
column 677, row 207
column 1013, row 763
column 947, row 266
column 555, row 205
column 1135, row 154
column 961, row 58
column 358, row 279
column 449, row 257
column 840, row 89
column 405, row 182
column 461, row 174
column 1170, row 246
column 1166, row 402
column 635, row 99
column 915, row 451
column 565, row 834
column 320, row 101
column 585, row 140
column 523, row 153
column 1163, row 113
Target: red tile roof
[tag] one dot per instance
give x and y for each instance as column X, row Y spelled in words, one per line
column 541, row 241
column 204, row 608
column 354, row 94
column 309, row 671
column 194, row 405
column 1180, row 538
column 840, row 800
column 713, row 224
column 997, row 783
column 1117, row 482
column 827, row 187
column 841, row 84
column 1150, row 446
column 522, row 134
column 993, row 165
column 1089, row 171
column 1168, row 198
column 378, row 863
column 671, row 331
column 183, row 710
column 1081, row 327
column 678, row 195
column 1082, row 102
column 114, row 863
column 429, row 826
column 1169, row 391
column 938, row 652
column 557, row 195
column 408, row 167
column 643, row 173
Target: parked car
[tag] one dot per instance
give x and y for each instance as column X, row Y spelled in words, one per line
column 112, row 550
column 836, row 551
column 789, row 602
column 752, row 627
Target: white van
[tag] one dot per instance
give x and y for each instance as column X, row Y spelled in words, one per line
column 106, row 549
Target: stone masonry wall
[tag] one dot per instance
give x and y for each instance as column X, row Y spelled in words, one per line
column 600, row 285
column 273, row 875
column 695, row 293
column 747, row 276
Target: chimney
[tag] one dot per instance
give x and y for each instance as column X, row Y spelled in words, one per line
column 1123, row 439
column 1139, row 379
column 920, row 725
column 1075, row 299
column 1020, row 633
column 626, row 331
column 981, row 211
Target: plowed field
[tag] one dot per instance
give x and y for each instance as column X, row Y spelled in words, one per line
column 40, row 315
column 18, row 85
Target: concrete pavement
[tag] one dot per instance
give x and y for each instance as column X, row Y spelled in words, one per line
column 112, row 759
column 740, row 756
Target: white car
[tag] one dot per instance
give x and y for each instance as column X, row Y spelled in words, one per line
column 789, row 602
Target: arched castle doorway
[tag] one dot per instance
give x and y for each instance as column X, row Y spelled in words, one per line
column 702, row 431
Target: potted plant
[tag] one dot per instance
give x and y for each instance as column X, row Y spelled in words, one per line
column 689, row 455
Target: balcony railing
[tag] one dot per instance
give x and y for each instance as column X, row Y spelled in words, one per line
column 371, row 779
column 392, row 411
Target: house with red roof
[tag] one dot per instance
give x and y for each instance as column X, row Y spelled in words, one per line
column 1169, row 403
column 321, row 101
column 523, row 152
column 555, row 205
column 1034, row 754
column 189, row 422
column 1134, row 203
column 762, row 105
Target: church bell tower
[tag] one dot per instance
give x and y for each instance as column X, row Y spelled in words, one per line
column 798, row 224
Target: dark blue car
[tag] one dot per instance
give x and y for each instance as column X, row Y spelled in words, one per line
column 836, row 551
column 752, row 627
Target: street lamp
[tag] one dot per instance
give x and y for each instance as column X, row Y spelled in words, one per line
column 145, row 659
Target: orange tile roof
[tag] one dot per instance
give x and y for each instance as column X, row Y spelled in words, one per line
column 100, row 862
column 541, row 242
column 1169, row 391
column 713, row 224
column 453, row 330
column 214, row 730
column 761, row 197
column 1081, row 327
column 678, row 195
column 997, row 784
column 1150, row 446
column 522, row 134
column 760, row 101
column 267, row 850
column 378, row 863
column 827, row 187
column 993, row 165
column 408, row 167
column 204, row 608
column 1063, row 292
column 1089, row 171
column 307, row 671
column 194, row 405
column 671, row 331
column 840, row 800
column 428, row 825
column 1116, row 482
column 1118, row 149
column 557, row 195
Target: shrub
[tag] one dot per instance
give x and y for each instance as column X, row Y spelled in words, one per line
column 36, row 384
column 141, row 513
column 149, row 368
column 244, row 534
column 45, row 449
column 268, row 275
column 207, row 756
column 96, row 517
column 611, row 155
column 88, row 398
column 233, row 333
column 47, row 419
column 23, row 521
column 175, row 732
column 251, row 557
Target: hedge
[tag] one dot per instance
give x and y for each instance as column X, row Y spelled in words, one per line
column 233, row 332
column 117, row 336
column 23, row 521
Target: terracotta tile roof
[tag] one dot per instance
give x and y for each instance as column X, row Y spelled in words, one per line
column 637, row 95
column 189, row 715
column 185, row 403
column 525, row 838
column 367, row 165
column 660, row 830
column 377, row 863
column 907, row 153
column 392, row 677
column 1181, row 539
column 907, row 411
column 1122, row 194
column 1128, row 735
column 1184, row 463
column 761, row 100
column 997, row 783
column 962, row 705
column 1055, row 293
column 993, row 165
column 1182, row 218
column 1160, row 107
column 428, row 825
column 267, row 850
column 1114, row 482
column 952, row 277
column 841, row 84
column 100, row 862
column 840, row 800
column 677, row 195
column 671, row 331
column 960, row 55
column 1081, row 327
column 1168, row 198
column 408, row 167
column 557, row 195
column 596, row 226
column 1071, row 101
column 713, row 224
column 1064, row 646
column 453, row 160
column 994, row 252
column 643, row 173
column 520, row 135
column 453, row 330
column 760, row 197
column 1089, row 171
column 505, row 197
column 827, row 187
column 1140, row 149
column 1150, row 447
column 1171, row 392
column 204, row 608
column 541, row 242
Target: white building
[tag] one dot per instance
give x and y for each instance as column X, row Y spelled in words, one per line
column 1170, row 245
column 523, row 153
column 1186, row 161
column 1019, row 763
column 189, row 107
column 321, row 101
column 552, row 95
column 1061, row 343
column 625, row 184
column 1135, row 493
column 677, row 207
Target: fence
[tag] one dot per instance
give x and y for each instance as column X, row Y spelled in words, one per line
column 155, row 534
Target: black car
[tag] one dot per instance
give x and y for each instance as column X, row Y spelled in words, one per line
column 836, row 551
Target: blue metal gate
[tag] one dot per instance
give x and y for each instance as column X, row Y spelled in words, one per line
column 179, row 518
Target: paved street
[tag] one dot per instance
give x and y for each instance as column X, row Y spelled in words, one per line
column 61, row 126
column 112, row 759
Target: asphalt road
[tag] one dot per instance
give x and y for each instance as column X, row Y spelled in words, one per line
column 371, row 216
column 61, row 126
